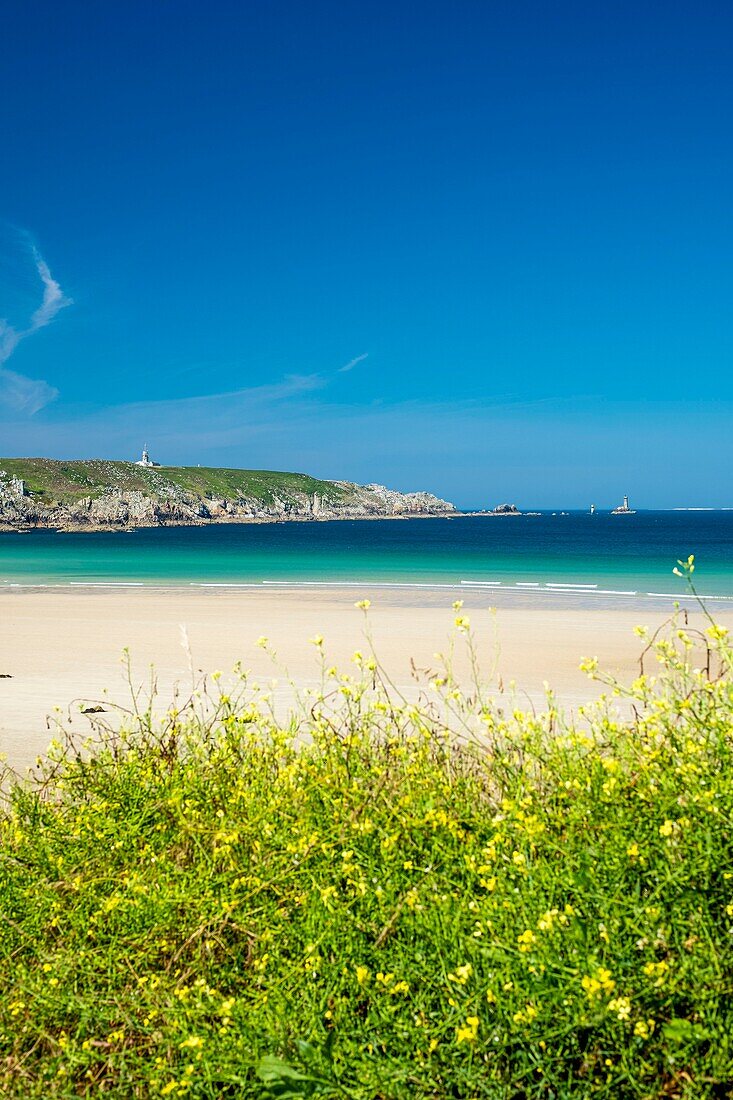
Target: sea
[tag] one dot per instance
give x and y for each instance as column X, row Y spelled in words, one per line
column 568, row 558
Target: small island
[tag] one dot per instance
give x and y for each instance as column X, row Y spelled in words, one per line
column 104, row 495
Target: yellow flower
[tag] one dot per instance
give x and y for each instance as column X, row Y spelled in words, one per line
column 462, row 622
column 657, row 970
column 363, row 605
column 462, row 974
column 468, row 1032
column 601, row 981
column 525, row 1015
column 644, row 1028
column 621, row 1006
column 193, row 1042
column 591, row 985
column 667, row 828
column 526, row 940
column 317, row 640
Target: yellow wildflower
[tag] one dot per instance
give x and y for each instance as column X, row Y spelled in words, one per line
column 526, row 940
column 657, row 970
column 462, row 974
column 599, row 982
column 193, row 1042
column 621, row 1006
column 468, row 1032
column 525, row 1015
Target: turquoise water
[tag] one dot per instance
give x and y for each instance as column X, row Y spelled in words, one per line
column 614, row 555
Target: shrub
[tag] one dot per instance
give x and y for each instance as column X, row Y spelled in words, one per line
column 382, row 899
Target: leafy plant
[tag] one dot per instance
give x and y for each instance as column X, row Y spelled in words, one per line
column 381, row 898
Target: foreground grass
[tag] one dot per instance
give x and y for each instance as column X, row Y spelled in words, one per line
column 363, row 906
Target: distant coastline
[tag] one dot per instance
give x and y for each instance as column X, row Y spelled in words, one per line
column 101, row 495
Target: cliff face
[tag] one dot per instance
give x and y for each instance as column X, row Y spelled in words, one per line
column 121, row 496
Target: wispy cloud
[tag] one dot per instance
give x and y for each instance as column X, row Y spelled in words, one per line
column 54, row 298
column 24, row 395
column 18, row 392
column 353, row 363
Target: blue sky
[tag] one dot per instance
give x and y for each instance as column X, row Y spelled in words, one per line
column 481, row 248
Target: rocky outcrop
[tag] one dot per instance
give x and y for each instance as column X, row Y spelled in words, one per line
column 165, row 503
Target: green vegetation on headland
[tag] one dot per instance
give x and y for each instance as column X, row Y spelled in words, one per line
column 68, row 482
column 41, row 492
column 381, row 900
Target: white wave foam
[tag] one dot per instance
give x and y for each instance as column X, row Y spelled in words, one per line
column 107, row 584
column 569, row 584
column 525, row 587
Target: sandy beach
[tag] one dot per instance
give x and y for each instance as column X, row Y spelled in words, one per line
column 62, row 648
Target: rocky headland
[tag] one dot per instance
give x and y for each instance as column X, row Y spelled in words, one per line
column 103, row 495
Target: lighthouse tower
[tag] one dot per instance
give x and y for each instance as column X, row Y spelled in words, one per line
column 146, row 459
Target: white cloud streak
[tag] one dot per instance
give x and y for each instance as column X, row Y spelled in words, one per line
column 19, row 393
column 353, row 363
column 54, row 298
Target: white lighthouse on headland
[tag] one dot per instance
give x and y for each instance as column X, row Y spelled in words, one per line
column 146, row 460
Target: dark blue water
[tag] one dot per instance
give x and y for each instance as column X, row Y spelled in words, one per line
column 614, row 553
